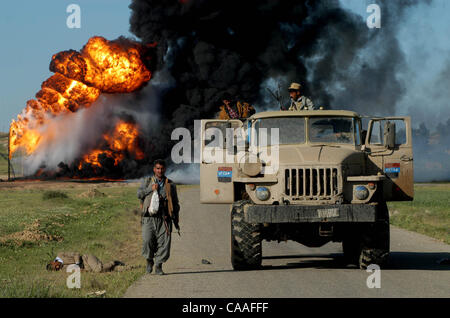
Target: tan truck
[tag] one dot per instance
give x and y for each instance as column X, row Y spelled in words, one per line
column 317, row 177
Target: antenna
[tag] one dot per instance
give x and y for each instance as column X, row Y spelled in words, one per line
column 280, row 97
column 277, row 96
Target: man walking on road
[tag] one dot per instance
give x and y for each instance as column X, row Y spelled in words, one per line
column 157, row 228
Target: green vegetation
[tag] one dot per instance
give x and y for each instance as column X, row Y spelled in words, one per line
column 36, row 225
column 48, row 195
column 39, row 220
column 428, row 214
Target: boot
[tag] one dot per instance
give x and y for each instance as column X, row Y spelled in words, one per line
column 149, row 266
column 158, row 270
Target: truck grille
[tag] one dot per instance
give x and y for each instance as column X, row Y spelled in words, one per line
column 311, row 182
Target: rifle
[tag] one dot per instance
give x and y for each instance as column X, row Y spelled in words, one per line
column 177, row 226
column 277, row 96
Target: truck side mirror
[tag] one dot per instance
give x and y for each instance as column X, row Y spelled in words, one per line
column 389, row 135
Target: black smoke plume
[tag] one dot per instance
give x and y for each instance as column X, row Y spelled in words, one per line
column 215, row 47
column 212, row 48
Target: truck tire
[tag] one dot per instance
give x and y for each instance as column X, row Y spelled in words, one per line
column 374, row 256
column 246, row 240
column 351, row 247
column 376, row 246
column 368, row 243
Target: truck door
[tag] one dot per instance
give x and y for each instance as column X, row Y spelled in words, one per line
column 395, row 160
column 221, row 145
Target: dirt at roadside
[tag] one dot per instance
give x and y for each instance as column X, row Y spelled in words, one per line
column 31, row 233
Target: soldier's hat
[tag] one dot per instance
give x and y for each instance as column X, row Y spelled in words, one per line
column 295, row 87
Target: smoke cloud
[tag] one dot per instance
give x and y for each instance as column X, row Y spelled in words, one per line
column 235, row 46
column 211, row 48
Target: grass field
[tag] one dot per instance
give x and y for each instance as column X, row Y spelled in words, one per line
column 38, row 221
column 428, row 214
column 36, row 224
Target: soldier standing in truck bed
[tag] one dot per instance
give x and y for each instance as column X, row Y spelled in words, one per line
column 298, row 101
column 234, row 110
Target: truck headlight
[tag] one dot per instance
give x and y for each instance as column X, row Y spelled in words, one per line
column 262, row 193
column 361, row 192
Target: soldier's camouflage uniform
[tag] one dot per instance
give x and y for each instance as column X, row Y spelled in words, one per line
column 156, row 234
column 303, row 103
column 240, row 110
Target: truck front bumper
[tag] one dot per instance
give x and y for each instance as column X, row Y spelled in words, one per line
column 357, row 213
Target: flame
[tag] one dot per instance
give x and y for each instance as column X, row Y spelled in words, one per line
column 29, row 138
column 125, row 138
column 111, row 66
column 93, row 158
column 101, row 66
column 121, row 142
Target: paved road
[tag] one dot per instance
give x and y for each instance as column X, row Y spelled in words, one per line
column 289, row 269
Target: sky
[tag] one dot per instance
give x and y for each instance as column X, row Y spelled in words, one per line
column 423, row 36
column 32, row 31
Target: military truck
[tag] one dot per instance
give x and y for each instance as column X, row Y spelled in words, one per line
column 330, row 180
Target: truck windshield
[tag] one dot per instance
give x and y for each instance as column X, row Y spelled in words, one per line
column 331, row 130
column 291, row 130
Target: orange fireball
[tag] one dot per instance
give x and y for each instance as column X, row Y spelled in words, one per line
column 111, row 66
column 79, row 79
column 29, row 139
column 122, row 141
column 124, row 138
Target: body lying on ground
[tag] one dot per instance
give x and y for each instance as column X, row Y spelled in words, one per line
column 87, row 262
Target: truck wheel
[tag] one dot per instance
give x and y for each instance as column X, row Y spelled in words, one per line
column 351, row 247
column 245, row 240
column 376, row 246
column 372, row 256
